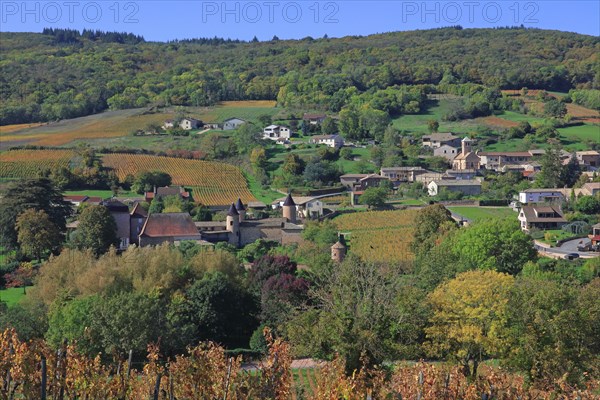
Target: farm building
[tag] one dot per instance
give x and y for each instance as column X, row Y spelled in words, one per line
column 77, row 200
column 402, row 174
column 162, row 192
column 232, row 123
column 190, row 123
column 436, row 140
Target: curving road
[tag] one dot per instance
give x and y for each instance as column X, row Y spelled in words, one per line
column 565, row 248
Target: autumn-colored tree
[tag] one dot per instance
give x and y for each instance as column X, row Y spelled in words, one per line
column 427, row 226
column 258, row 158
column 469, row 318
column 36, row 233
column 433, row 125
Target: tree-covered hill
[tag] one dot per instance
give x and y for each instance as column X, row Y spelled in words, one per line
column 59, row 74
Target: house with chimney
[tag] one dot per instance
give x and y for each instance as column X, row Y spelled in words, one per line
column 541, row 217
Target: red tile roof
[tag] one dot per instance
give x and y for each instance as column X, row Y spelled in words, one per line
column 169, row 224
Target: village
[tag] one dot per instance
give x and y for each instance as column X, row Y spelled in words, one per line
column 537, row 209
column 301, row 211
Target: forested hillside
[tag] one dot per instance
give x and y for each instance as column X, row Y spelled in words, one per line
column 65, row 74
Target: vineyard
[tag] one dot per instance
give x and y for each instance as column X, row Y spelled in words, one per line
column 29, row 163
column 33, row 370
column 212, row 183
column 382, row 236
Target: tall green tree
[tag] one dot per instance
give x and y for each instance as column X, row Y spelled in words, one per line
column 97, row 230
column 497, row 244
column 555, row 332
column 552, row 168
column 37, row 234
column 354, row 314
column 37, row 194
column 428, row 225
column 374, row 197
column 215, row 308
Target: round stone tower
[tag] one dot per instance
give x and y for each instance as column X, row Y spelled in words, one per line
column 289, row 209
column 233, row 225
column 338, row 250
column 239, row 206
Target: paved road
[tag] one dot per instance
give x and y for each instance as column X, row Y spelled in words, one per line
column 571, row 245
column 566, row 248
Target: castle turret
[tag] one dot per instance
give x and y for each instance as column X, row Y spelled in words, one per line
column 338, row 250
column 289, row 209
column 239, row 206
column 233, row 225
column 466, row 145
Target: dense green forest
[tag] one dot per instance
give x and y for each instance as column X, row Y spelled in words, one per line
column 64, row 74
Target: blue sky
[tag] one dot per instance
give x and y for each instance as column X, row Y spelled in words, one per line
column 167, row 20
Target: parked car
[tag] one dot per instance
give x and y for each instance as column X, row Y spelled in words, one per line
column 571, row 256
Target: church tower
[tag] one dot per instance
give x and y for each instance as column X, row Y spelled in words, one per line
column 466, row 145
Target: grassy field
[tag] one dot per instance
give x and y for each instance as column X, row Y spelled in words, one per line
column 149, row 142
column 407, row 202
column 581, row 132
column 11, row 296
column 552, row 235
column 105, row 194
column 482, row 213
column 267, row 196
column 436, row 110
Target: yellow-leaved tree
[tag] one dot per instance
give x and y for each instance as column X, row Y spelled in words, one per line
column 468, row 322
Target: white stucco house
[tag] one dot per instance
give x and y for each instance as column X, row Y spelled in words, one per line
column 277, row 132
column 334, row 141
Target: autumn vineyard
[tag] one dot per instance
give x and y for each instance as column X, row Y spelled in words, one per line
column 33, row 370
column 391, row 230
column 212, row 183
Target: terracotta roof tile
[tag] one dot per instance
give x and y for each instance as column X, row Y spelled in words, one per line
column 169, row 224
